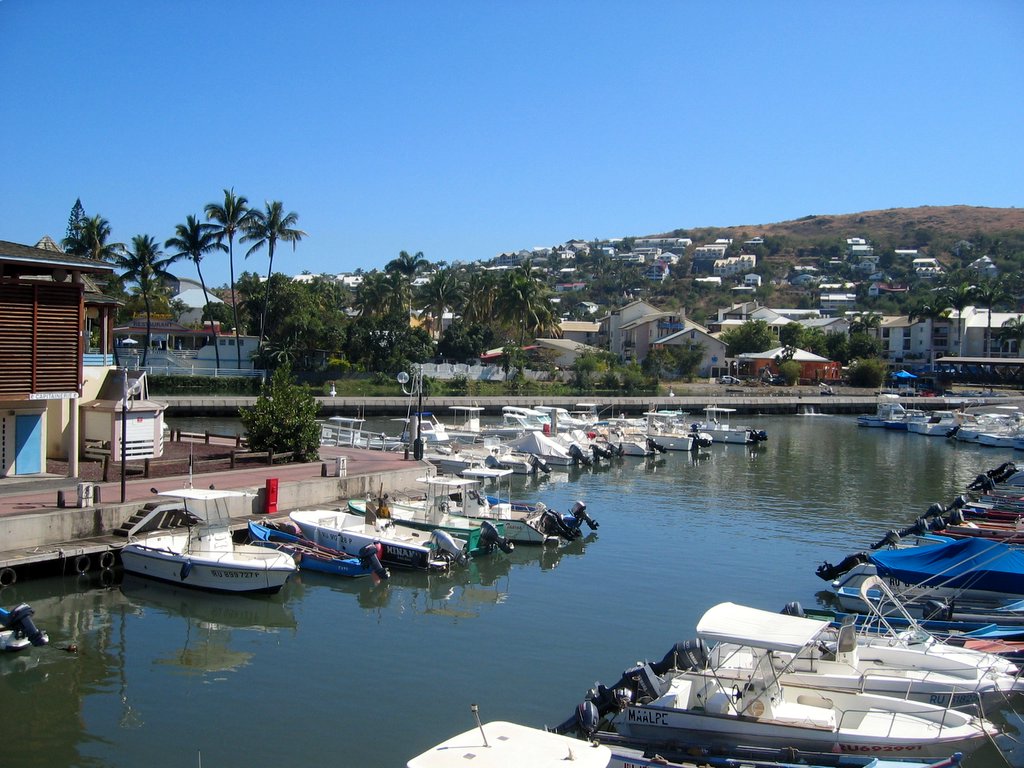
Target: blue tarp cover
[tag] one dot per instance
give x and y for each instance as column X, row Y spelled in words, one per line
column 963, row 564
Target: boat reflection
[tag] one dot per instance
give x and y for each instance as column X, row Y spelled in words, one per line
column 460, row 593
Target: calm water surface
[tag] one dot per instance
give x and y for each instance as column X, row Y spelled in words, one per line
column 371, row 674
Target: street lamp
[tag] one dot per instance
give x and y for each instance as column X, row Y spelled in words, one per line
column 415, row 389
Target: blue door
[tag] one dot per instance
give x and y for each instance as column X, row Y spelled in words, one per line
column 28, row 454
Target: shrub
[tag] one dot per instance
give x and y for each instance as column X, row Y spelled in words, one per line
column 283, row 419
column 867, row 372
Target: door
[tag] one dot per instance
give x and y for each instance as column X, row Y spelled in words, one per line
column 28, row 444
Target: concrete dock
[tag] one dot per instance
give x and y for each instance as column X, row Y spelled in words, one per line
column 37, row 536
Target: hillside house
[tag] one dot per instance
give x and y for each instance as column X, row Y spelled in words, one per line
column 694, row 336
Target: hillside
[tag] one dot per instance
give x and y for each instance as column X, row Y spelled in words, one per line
column 892, row 224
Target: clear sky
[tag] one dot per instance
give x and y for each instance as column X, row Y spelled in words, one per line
column 464, row 129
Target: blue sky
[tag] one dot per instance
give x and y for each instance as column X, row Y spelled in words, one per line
column 463, row 129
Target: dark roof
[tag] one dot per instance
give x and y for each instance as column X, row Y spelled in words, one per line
column 30, row 256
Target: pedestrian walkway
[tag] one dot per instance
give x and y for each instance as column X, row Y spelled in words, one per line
column 34, row 529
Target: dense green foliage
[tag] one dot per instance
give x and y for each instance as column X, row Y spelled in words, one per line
column 867, row 372
column 283, row 419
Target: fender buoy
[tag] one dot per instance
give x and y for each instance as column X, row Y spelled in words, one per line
column 7, row 577
column 82, row 563
column 107, row 560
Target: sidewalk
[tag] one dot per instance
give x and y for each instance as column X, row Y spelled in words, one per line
column 34, row 530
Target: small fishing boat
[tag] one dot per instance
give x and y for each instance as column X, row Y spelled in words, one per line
column 400, row 545
column 889, row 414
column 204, row 556
column 18, row 631
column 692, row 695
column 310, row 556
column 716, row 423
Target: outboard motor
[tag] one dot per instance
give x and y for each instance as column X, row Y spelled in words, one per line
column 793, row 609
column 655, row 446
column 759, row 435
column 955, row 517
column 982, row 483
column 827, row 571
column 369, row 557
column 584, row 719
column 952, row 432
column 688, row 655
column 891, row 539
column 936, row 610
column 553, row 525
column 19, row 619
column 490, row 538
column 935, row 510
column 580, row 516
column 446, row 544
column 600, row 451
column 577, row 455
column 536, row 462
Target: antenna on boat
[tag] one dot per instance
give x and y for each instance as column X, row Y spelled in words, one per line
column 476, row 715
column 190, row 448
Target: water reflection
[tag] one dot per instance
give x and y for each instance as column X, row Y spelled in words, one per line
column 460, row 593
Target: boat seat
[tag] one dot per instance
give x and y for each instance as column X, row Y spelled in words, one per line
column 810, row 710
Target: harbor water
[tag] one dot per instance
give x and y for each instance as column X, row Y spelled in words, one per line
column 360, row 673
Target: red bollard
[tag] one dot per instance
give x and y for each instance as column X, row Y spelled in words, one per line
column 271, row 505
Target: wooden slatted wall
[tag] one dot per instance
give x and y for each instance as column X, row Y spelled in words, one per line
column 40, row 338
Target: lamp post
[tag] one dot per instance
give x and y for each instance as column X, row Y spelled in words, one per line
column 124, row 428
column 415, row 389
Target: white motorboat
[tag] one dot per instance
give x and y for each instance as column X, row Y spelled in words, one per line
column 547, row 449
column 888, row 413
column 717, row 425
column 395, row 544
column 909, row 664
column 506, row 745
column 500, row 744
column 685, row 698
column 204, row 556
column 938, row 424
column 348, row 431
column 515, row 421
column 668, row 429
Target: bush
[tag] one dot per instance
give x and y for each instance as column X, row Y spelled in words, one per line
column 867, row 372
column 203, row 385
column 283, row 419
column 790, row 371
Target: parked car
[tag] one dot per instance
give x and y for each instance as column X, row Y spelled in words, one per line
column 729, row 380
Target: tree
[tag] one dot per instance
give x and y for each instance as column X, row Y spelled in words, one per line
column 145, row 265
column 928, row 312
column 194, row 239
column 1012, row 330
column 958, row 296
column 75, row 219
column 267, row 227
column 523, row 306
column 867, row 372
column 407, row 266
column 987, row 294
column 791, row 334
column 866, row 322
column 441, row 293
column 481, row 295
column 229, row 219
column 751, row 336
column 91, row 239
column 283, row 419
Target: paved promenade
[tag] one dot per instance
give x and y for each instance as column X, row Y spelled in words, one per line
column 34, row 530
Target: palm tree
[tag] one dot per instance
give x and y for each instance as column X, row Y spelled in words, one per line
column 865, row 322
column 267, row 227
column 145, row 265
column 480, row 296
column 407, row 266
column 988, row 294
column 194, row 239
column 523, row 304
column 958, row 297
column 929, row 312
column 1012, row 330
column 375, row 295
column 230, row 218
column 91, row 240
column 442, row 293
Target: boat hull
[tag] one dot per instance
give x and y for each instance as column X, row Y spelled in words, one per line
column 213, row 574
column 663, row 726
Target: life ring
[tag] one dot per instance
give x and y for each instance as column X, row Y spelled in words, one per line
column 7, row 577
column 82, row 563
column 107, row 560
